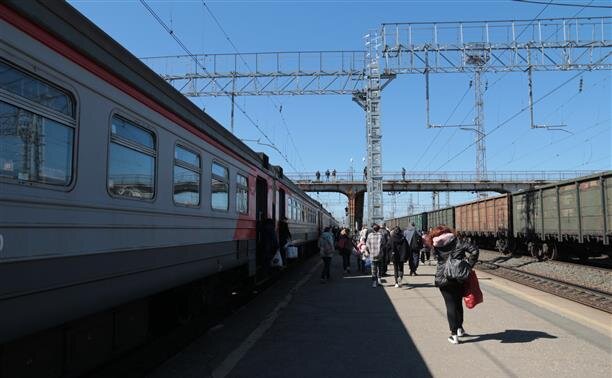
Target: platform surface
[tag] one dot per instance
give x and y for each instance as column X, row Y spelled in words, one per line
column 346, row 328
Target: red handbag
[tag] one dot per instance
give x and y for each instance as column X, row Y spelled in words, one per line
column 472, row 294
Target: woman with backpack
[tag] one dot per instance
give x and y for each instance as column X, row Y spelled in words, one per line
column 398, row 247
column 446, row 246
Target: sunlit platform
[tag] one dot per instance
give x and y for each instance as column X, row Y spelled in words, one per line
column 346, row 328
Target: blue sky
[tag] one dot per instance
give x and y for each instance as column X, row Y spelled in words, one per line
column 325, row 132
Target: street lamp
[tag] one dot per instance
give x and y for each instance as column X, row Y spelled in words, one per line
column 351, row 170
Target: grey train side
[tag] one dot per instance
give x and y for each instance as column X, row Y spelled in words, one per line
column 114, row 187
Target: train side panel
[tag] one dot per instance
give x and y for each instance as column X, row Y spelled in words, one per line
column 441, row 217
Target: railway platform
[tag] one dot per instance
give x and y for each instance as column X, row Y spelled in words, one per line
column 345, row 328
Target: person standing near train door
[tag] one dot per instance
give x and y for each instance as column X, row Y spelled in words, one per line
column 284, row 236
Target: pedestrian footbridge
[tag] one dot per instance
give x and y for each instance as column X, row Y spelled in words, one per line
column 354, row 185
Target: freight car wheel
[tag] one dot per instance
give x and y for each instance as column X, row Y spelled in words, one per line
column 535, row 250
column 550, row 251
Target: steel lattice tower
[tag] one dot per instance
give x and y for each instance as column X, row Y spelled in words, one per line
column 373, row 131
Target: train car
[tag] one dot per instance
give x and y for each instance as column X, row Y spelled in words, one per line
column 570, row 217
column 444, row 216
column 419, row 220
column 486, row 221
column 122, row 204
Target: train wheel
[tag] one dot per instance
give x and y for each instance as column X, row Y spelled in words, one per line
column 532, row 249
column 550, row 251
column 502, row 246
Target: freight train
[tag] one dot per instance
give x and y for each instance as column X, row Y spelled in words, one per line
column 571, row 217
column 120, row 199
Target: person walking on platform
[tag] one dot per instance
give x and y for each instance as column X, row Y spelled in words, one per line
column 374, row 245
column 345, row 247
column 365, row 173
column 333, row 174
column 413, row 237
column 446, row 246
column 327, row 175
column 361, row 247
column 326, row 251
column 398, row 248
column 403, row 174
column 385, row 249
column 425, row 252
column 318, row 176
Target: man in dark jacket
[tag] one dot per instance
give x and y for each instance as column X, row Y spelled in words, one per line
column 413, row 237
column 398, row 248
column 385, row 258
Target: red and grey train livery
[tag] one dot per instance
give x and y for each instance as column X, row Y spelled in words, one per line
column 113, row 188
column 572, row 217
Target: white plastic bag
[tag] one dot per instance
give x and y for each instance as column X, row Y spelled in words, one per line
column 292, row 252
column 277, row 260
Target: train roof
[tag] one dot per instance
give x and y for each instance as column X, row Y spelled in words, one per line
column 569, row 181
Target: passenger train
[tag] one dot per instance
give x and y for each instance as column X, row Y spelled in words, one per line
column 115, row 188
column 572, row 217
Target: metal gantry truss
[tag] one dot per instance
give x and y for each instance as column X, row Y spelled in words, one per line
column 559, row 44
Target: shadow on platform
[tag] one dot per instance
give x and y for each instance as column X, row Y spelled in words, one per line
column 343, row 328
column 511, row 336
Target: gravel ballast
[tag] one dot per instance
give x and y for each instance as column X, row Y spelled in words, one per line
column 586, row 276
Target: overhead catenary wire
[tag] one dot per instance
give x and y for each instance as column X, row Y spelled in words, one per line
column 512, row 117
column 195, row 59
column 494, row 83
column 440, row 130
column 564, row 4
column 489, row 87
column 499, row 152
column 278, row 107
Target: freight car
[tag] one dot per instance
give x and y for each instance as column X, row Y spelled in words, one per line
column 419, row 220
column 486, row 221
column 572, row 217
column 122, row 204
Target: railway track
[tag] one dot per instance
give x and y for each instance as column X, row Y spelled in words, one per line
column 590, row 297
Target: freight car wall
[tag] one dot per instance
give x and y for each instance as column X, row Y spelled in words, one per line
column 419, row 220
column 441, row 217
column 569, row 217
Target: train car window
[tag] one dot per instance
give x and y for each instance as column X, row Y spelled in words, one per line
column 131, row 166
column 242, row 194
column 24, row 85
column 220, row 188
column 186, row 180
column 34, row 148
column 36, row 136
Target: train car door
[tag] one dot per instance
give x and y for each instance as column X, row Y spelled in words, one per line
column 281, row 204
column 261, row 211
